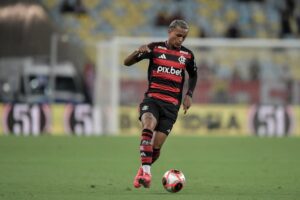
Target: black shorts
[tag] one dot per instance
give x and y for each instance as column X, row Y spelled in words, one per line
column 165, row 113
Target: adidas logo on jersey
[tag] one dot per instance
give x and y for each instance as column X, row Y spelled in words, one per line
column 162, row 56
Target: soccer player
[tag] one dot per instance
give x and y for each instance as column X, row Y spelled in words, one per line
column 168, row 61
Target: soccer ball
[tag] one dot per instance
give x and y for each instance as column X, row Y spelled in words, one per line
column 173, row 180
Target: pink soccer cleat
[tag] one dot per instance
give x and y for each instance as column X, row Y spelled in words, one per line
column 145, row 180
column 136, row 182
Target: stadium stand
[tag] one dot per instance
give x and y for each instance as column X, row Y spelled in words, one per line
column 89, row 21
column 138, row 18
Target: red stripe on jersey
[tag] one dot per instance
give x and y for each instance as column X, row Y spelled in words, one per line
column 172, row 52
column 171, row 77
column 168, row 63
column 164, row 97
column 164, row 87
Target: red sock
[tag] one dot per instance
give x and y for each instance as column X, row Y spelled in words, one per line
column 146, row 147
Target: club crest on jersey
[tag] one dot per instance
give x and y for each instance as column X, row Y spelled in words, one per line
column 182, row 59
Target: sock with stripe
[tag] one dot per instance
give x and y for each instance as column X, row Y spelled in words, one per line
column 146, row 150
column 155, row 154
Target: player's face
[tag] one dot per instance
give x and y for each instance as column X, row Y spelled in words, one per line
column 177, row 36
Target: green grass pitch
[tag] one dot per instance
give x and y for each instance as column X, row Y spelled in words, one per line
column 83, row 168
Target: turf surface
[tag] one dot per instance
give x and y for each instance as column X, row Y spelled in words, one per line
column 103, row 168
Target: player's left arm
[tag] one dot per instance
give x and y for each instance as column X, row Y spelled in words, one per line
column 192, row 71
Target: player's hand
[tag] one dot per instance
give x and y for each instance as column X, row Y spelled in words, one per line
column 132, row 58
column 187, row 102
column 144, row 49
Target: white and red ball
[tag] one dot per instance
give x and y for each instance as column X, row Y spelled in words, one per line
column 173, row 180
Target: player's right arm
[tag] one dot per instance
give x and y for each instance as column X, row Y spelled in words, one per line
column 137, row 55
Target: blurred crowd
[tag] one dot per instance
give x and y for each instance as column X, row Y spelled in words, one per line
column 214, row 18
column 225, row 76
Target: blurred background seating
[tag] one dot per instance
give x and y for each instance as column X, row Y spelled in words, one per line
column 105, row 18
column 231, row 77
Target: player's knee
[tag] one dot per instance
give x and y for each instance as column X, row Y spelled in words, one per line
column 148, row 121
column 148, row 117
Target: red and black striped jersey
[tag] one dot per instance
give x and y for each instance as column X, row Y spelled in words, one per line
column 166, row 71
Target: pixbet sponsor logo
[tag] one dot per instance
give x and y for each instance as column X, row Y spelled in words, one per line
column 168, row 70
